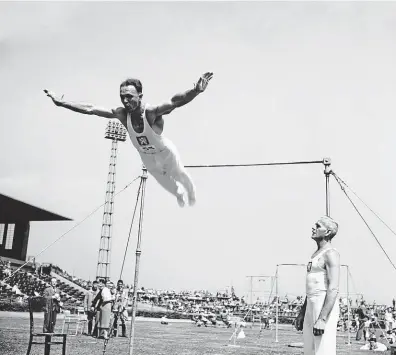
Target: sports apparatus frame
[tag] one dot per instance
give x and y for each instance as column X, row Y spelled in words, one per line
column 327, row 171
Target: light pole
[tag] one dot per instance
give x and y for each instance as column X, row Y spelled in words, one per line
column 117, row 133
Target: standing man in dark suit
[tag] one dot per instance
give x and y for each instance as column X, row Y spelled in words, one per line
column 89, row 310
column 52, row 306
column 95, row 306
column 363, row 316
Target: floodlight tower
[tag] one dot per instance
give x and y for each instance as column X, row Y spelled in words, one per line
column 117, row 133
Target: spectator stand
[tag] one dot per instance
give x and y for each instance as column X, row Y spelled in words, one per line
column 8, row 291
column 22, row 283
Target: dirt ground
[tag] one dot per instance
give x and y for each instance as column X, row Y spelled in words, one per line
column 176, row 338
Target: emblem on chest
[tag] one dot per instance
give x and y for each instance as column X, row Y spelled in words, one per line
column 142, row 140
column 145, row 145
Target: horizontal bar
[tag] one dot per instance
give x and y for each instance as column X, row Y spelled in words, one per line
column 291, row 265
column 252, row 165
column 261, row 276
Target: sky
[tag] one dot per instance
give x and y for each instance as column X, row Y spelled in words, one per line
column 293, row 81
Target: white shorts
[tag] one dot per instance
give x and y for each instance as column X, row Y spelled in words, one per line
column 166, row 162
column 168, row 170
column 320, row 344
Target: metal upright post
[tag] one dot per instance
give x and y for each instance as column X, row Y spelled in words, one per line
column 327, row 172
column 277, row 301
column 137, row 263
column 349, row 306
column 251, row 291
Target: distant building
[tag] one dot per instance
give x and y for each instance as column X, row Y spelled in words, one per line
column 15, row 218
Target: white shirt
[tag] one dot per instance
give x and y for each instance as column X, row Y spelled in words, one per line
column 388, row 317
column 317, row 280
column 146, row 142
column 106, row 295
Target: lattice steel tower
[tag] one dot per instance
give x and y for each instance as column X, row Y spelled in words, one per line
column 117, row 133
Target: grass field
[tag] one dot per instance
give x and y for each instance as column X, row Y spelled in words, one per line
column 177, row 338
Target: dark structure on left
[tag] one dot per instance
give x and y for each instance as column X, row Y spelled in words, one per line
column 15, row 218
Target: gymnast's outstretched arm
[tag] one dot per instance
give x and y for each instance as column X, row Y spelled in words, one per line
column 84, row 108
column 183, row 98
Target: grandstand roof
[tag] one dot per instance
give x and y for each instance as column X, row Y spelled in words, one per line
column 12, row 210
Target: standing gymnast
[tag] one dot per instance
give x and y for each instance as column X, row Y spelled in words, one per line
column 319, row 315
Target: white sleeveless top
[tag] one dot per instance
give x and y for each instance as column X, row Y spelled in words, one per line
column 317, row 281
column 147, row 142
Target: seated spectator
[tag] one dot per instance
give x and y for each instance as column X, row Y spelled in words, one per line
column 16, row 290
column 390, row 336
column 373, row 345
column 7, row 270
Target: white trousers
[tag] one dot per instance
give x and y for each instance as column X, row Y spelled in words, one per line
column 388, row 325
column 167, row 169
column 320, row 344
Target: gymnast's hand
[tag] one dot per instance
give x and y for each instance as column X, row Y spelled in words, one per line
column 57, row 101
column 203, row 82
column 319, row 327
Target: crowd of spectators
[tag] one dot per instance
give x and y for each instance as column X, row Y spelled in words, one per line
column 46, row 268
column 367, row 320
column 17, row 284
column 355, row 316
column 205, row 303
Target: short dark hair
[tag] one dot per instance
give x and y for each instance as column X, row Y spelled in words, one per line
column 94, row 282
column 120, row 282
column 102, row 281
column 134, row 82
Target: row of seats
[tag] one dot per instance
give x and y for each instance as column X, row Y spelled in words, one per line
column 66, row 288
column 31, row 285
column 6, row 292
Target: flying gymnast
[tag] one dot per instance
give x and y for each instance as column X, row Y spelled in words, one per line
column 145, row 125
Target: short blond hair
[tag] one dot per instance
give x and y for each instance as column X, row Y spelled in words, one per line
column 330, row 224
